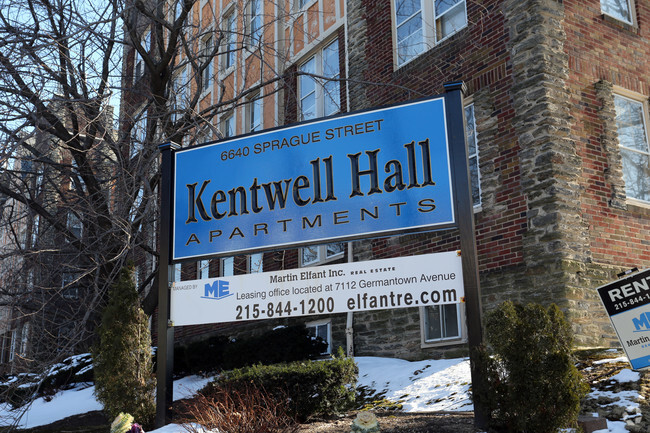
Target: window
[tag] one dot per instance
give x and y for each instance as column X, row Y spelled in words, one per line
column 74, row 224
column 139, row 134
column 322, row 329
column 619, row 9
column 179, row 94
column 255, row 22
column 420, row 24
column 227, row 266
column 441, row 323
column 230, row 41
column 254, row 114
column 320, row 97
column 203, row 271
column 228, row 126
column 24, row 339
column 473, row 154
column 207, row 54
column 138, row 63
column 319, row 254
column 12, row 347
column 256, row 263
column 177, row 272
column 69, row 289
column 632, row 126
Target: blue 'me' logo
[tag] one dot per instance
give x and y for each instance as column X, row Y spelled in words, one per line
column 217, row 290
column 642, row 323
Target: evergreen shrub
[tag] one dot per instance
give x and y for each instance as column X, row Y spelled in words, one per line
column 124, row 380
column 309, row 387
column 532, row 383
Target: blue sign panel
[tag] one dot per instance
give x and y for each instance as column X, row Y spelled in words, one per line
column 370, row 173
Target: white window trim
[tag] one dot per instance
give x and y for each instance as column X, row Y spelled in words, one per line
column 477, row 206
column 222, row 266
column 424, row 343
column 223, row 68
column 254, row 102
column 317, row 55
column 631, row 8
column 327, row 322
column 429, row 31
column 643, row 99
column 208, row 72
column 203, row 269
column 248, row 14
column 222, row 124
column 249, row 262
column 322, row 256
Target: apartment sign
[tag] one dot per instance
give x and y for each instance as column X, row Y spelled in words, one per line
column 402, row 282
column 365, row 174
column 627, row 302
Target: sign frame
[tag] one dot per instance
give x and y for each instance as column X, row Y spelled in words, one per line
column 464, row 223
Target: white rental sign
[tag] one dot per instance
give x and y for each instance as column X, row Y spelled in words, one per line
column 416, row 281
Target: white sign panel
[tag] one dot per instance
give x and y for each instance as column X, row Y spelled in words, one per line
column 627, row 302
column 431, row 279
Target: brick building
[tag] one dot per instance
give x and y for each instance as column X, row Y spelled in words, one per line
column 557, row 118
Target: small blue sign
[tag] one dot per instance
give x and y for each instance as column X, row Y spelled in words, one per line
column 370, row 173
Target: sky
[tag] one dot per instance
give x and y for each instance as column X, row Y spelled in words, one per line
column 420, row 386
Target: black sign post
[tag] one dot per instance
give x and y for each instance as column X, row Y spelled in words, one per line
column 165, row 352
column 465, row 217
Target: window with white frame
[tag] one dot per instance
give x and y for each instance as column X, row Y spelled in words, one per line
column 254, row 114
column 255, row 22
column 472, row 145
column 207, row 56
column 322, row 329
column 320, row 254
column 229, row 40
column 320, row 96
column 441, row 323
column 203, row 270
column 420, row 24
column 228, row 125
column 632, row 127
column 621, row 10
column 227, row 266
column 255, row 263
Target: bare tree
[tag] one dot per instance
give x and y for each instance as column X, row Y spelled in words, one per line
column 78, row 188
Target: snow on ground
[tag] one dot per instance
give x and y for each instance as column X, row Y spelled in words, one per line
column 422, row 386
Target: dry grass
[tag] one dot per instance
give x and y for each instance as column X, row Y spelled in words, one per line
column 225, row 410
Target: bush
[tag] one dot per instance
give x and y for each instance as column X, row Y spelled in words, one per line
column 310, row 388
column 286, row 344
column 247, row 410
column 533, row 385
column 124, row 379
